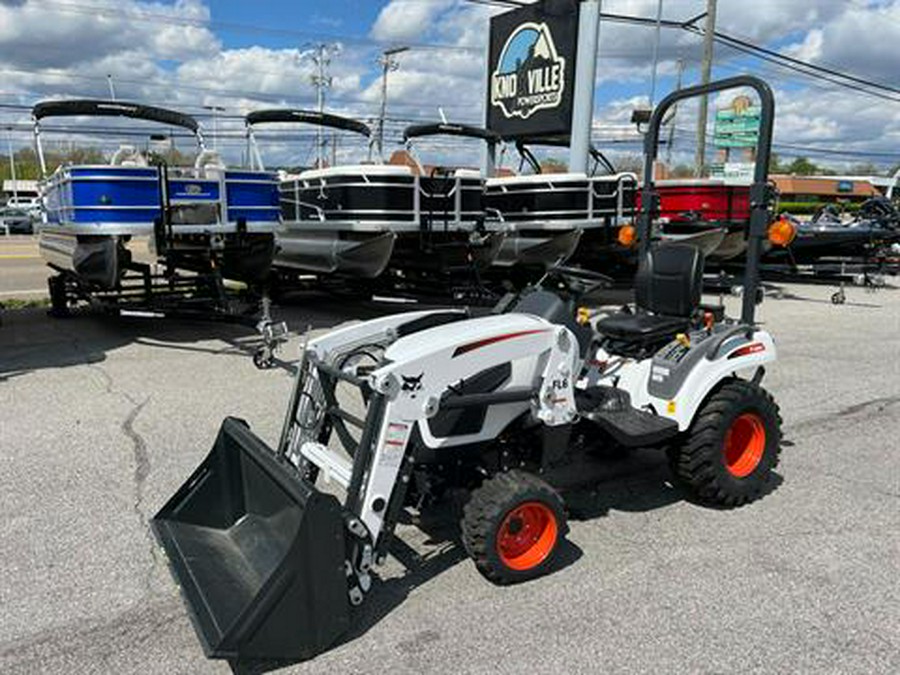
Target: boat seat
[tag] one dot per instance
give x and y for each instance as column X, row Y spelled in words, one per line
column 208, row 160
column 667, row 289
column 128, row 155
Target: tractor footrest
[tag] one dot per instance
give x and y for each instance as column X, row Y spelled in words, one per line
column 633, row 428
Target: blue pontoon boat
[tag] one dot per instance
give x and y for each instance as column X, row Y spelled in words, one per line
column 202, row 217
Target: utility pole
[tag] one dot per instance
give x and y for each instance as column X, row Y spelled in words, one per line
column 388, row 63
column 12, row 166
column 334, row 142
column 656, row 52
column 671, row 140
column 322, row 81
column 216, row 109
column 709, row 32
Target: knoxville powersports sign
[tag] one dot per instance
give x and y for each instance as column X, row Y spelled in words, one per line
column 532, row 69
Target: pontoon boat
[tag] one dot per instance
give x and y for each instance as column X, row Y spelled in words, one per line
column 200, row 217
column 549, row 215
column 358, row 220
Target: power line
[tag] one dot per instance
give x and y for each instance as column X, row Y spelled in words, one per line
column 839, row 78
column 156, row 17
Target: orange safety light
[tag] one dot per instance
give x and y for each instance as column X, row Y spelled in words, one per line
column 627, row 236
column 782, row 232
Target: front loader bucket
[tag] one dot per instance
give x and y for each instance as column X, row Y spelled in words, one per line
column 258, row 554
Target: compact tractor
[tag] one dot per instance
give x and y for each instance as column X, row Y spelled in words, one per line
column 272, row 566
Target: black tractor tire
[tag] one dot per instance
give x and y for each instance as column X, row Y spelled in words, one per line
column 728, row 454
column 512, row 527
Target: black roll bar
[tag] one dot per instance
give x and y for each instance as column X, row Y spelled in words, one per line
column 759, row 190
column 313, row 117
column 102, row 108
column 442, row 129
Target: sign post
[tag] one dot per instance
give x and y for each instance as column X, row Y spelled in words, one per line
column 583, row 104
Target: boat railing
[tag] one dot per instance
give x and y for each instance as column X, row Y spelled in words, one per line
column 600, row 202
column 320, row 212
column 497, row 214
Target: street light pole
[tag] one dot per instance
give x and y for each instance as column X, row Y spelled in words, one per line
column 388, row 63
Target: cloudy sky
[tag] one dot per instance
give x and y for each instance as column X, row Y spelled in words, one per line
column 189, row 54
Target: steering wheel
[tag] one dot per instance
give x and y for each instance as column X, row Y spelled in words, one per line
column 580, row 281
column 826, row 211
column 876, row 207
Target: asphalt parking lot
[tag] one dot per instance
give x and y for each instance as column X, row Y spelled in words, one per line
column 103, row 419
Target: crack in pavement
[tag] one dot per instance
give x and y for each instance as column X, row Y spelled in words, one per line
column 142, row 466
column 880, row 404
column 93, row 639
column 141, row 471
column 864, row 410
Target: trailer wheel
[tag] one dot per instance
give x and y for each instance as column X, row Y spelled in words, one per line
column 263, row 358
column 512, row 527
column 732, row 446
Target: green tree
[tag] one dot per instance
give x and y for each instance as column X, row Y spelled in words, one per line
column 803, row 167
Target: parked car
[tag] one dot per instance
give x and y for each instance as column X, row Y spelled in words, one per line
column 31, row 206
column 16, row 221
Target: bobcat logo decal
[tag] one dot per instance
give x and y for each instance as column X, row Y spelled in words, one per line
column 412, row 384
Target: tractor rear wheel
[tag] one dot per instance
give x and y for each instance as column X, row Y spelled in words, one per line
column 732, row 446
column 512, row 527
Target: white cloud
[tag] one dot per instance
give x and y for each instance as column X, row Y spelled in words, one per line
column 169, row 54
column 407, row 19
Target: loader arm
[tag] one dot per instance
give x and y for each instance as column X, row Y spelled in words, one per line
column 417, row 382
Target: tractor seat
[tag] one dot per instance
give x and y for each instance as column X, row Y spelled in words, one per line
column 667, row 291
column 642, row 327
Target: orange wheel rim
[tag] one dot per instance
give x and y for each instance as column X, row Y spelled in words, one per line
column 527, row 536
column 745, row 443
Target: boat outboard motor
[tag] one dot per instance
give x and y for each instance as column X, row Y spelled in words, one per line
column 258, row 554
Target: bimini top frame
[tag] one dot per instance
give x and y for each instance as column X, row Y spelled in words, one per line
column 103, row 108
column 524, row 150
column 760, row 192
column 291, row 115
column 445, row 129
column 490, row 138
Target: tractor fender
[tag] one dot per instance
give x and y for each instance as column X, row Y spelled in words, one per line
column 683, row 398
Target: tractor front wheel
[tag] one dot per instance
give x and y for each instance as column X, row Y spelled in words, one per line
column 512, row 527
column 732, row 446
